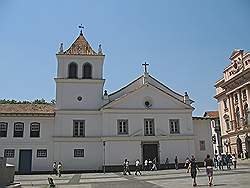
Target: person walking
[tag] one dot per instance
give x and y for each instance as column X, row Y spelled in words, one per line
column 193, row 167
column 126, row 167
column 208, row 163
column 220, row 162
column 228, row 161
column 234, row 160
column 54, row 167
column 146, row 165
column 154, row 167
column 59, row 169
column 137, row 167
column 150, row 164
column 216, row 161
column 176, row 162
column 186, row 165
column 167, row 163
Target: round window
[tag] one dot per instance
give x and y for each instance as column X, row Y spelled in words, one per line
column 147, row 104
column 79, row 98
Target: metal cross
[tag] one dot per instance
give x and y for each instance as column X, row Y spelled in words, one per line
column 145, row 67
column 81, row 27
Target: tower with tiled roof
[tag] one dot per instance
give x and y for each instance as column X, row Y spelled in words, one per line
column 79, row 81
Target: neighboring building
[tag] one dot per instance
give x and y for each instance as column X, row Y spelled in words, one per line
column 202, row 137
column 216, row 130
column 233, row 96
column 89, row 128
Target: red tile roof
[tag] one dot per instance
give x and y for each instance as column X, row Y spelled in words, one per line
column 27, row 108
column 211, row 114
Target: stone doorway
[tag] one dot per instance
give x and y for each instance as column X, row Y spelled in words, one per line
column 150, row 150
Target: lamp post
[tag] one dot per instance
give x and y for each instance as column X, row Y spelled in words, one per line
column 104, row 144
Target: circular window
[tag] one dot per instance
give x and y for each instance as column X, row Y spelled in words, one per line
column 147, row 104
column 79, row 98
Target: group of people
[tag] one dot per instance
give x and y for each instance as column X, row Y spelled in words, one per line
column 147, row 165
column 126, row 169
column 226, row 159
column 57, row 169
column 150, row 165
column 192, row 167
column 218, row 162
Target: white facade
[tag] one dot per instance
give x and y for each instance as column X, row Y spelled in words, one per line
column 90, row 128
column 202, row 133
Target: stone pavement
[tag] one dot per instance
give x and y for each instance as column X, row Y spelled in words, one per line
column 157, row 179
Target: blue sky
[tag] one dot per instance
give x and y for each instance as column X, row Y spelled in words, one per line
column 187, row 43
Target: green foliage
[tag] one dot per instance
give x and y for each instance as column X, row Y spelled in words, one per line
column 37, row 101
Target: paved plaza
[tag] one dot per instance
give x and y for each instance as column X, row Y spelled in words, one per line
column 164, row 178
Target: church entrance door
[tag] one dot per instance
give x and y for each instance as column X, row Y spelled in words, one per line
column 150, row 151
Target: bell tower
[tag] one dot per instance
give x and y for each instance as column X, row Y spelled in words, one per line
column 79, row 81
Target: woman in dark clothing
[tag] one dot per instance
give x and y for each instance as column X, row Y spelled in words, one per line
column 208, row 162
column 193, row 167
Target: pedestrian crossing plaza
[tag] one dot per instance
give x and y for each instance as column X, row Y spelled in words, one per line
column 163, row 178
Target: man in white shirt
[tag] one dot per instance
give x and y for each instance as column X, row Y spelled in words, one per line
column 137, row 167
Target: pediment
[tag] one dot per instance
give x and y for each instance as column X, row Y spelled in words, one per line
column 157, row 98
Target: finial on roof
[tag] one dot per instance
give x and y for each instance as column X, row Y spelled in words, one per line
column 61, row 48
column 105, row 96
column 105, row 92
column 100, row 49
column 81, row 27
column 186, row 99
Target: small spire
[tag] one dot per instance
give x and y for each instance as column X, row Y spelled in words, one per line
column 100, row 49
column 106, row 96
column 61, row 48
column 186, row 99
column 81, row 27
column 105, row 93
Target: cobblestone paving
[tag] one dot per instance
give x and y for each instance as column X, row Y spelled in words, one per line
column 157, row 179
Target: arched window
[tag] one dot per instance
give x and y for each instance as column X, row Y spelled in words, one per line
column 3, row 129
column 35, row 129
column 18, row 129
column 87, row 71
column 72, row 70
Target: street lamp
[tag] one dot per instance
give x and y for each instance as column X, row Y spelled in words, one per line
column 104, row 144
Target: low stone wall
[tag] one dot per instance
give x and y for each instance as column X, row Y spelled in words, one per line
column 7, row 172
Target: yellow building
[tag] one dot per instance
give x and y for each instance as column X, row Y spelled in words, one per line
column 233, row 96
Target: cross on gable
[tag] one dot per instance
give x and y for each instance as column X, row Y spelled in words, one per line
column 81, row 27
column 145, row 67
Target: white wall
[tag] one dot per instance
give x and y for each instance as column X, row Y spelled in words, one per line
column 43, row 142
column 67, row 92
column 180, row 148
column 159, row 99
column 202, row 131
column 136, row 122
column 117, row 151
column 64, row 123
column 92, row 160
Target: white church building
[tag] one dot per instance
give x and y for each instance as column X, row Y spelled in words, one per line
column 88, row 128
